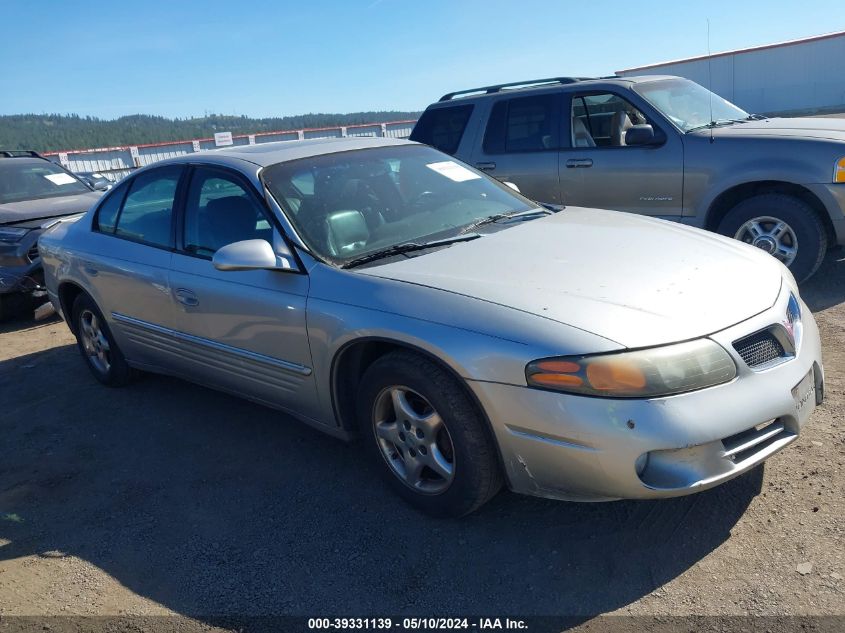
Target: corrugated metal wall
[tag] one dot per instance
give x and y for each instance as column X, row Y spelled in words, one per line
column 799, row 76
column 117, row 162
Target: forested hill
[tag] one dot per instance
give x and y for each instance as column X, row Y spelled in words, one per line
column 44, row 132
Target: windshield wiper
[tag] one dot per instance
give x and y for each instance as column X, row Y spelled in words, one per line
column 492, row 219
column 407, row 247
column 713, row 124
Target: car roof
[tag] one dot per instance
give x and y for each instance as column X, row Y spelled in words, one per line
column 25, row 160
column 264, row 154
column 539, row 86
column 20, row 153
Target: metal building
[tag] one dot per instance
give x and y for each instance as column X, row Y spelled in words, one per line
column 796, row 77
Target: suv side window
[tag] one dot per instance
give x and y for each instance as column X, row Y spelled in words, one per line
column 601, row 120
column 219, row 210
column 147, row 212
column 525, row 124
column 442, row 128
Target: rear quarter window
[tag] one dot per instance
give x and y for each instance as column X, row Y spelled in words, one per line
column 442, row 128
column 524, row 124
column 106, row 217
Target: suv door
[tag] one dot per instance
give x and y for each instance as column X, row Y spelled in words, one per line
column 521, row 144
column 598, row 169
column 242, row 331
column 127, row 262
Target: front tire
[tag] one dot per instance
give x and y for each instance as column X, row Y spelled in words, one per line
column 97, row 345
column 782, row 225
column 429, row 437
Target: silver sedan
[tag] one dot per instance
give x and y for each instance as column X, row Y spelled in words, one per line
column 380, row 288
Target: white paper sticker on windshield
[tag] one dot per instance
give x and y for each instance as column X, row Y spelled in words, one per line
column 453, row 171
column 60, row 179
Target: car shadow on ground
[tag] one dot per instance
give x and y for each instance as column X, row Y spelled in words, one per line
column 827, row 287
column 210, row 505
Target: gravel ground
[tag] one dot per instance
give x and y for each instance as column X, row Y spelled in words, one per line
column 166, row 498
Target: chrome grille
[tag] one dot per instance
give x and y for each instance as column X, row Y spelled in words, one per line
column 32, row 253
column 760, row 349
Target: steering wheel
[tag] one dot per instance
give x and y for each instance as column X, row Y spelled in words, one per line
column 422, row 199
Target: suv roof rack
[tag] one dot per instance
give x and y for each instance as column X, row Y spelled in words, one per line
column 516, row 84
column 13, row 153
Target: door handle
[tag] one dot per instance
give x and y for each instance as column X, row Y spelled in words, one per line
column 579, row 162
column 485, row 166
column 186, row 297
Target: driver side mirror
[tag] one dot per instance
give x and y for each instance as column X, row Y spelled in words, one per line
column 250, row 255
column 642, row 134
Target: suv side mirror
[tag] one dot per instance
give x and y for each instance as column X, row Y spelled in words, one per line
column 250, row 255
column 100, row 184
column 642, row 134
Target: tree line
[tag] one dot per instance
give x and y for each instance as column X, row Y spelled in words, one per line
column 46, row 132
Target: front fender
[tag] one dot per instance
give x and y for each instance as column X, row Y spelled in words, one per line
column 476, row 339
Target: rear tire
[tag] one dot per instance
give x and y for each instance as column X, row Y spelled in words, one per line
column 97, row 345
column 757, row 220
column 428, row 436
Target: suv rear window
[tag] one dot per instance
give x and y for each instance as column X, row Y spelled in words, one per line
column 442, row 128
column 526, row 124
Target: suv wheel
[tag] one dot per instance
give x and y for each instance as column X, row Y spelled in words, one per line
column 97, row 345
column 428, row 435
column 782, row 225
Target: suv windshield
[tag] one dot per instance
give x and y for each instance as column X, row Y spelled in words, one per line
column 32, row 178
column 688, row 105
column 350, row 204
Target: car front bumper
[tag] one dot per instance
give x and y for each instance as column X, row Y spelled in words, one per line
column 591, row 449
column 20, row 265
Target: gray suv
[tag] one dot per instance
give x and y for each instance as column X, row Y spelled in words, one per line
column 660, row 146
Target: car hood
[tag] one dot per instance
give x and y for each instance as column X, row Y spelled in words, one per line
column 828, row 128
column 31, row 211
column 634, row 280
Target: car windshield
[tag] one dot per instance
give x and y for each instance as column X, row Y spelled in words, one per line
column 689, row 105
column 350, row 204
column 32, row 178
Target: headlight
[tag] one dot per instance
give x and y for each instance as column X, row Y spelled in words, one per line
column 839, row 170
column 11, row 234
column 646, row 373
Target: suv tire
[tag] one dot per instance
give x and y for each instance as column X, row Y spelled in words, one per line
column 756, row 221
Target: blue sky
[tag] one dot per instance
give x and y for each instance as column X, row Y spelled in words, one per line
column 259, row 58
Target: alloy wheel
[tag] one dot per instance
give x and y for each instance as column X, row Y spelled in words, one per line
column 94, row 341
column 772, row 235
column 414, row 440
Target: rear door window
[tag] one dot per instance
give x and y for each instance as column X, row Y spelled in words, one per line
column 442, row 128
column 147, row 212
column 524, row 124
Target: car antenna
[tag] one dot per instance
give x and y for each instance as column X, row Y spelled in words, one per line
column 710, row 81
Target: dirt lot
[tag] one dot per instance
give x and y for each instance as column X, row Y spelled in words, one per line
column 165, row 497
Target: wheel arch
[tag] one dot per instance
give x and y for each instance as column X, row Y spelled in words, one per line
column 352, row 360
column 68, row 291
column 728, row 199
